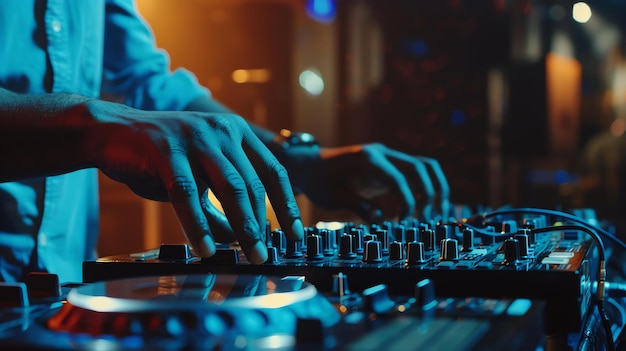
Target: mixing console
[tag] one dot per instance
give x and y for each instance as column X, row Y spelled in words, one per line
column 517, row 279
column 503, row 258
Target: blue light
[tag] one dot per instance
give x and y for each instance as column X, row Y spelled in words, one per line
column 321, row 10
column 418, row 47
column 457, row 117
column 561, row 177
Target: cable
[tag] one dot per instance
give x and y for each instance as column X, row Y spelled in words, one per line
column 593, row 232
column 560, row 214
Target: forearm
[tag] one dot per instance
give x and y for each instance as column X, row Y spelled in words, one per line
column 43, row 134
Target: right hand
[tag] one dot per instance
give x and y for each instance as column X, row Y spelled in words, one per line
column 177, row 156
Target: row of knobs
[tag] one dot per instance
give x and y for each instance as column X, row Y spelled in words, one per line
column 408, row 244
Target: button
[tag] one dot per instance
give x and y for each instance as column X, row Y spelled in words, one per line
column 41, row 284
column 56, row 26
column 13, row 295
column 174, row 252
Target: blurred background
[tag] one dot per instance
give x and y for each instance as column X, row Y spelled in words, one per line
column 523, row 102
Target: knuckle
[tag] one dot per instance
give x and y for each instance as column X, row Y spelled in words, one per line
column 257, row 188
column 233, row 184
column 182, row 188
column 228, row 124
column 278, row 171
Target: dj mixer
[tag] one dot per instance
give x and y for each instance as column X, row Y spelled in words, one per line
column 514, row 279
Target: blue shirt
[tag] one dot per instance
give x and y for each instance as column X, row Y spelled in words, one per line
column 87, row 47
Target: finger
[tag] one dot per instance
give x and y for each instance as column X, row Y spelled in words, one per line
column 396, row 181
column 220, row 228
column 418, row 166
column 278, row 186
column 183, row 194
column 256, row 190
column 232, row 192
column 444, row 187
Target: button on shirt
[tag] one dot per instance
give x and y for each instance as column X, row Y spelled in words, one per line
column 86, row 47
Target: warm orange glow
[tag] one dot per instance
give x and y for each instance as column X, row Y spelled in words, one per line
column 257, row 75
column 563, row 75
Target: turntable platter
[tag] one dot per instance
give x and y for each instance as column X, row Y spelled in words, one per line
column 184, row 308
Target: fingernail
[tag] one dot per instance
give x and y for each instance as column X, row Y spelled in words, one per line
column 258, row 254
column 206, row 247
column 297, row 228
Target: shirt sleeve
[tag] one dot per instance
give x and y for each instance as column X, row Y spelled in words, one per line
column 135, row 70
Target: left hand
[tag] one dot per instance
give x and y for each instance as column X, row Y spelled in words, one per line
column 375, row 182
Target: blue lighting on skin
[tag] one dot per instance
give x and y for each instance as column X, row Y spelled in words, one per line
column 321, row 10
column 458, row 118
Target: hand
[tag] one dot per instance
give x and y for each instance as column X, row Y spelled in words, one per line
column 376, row 182
column 176, row 156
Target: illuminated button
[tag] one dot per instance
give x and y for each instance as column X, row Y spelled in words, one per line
column 561, row 254
column 555, row 260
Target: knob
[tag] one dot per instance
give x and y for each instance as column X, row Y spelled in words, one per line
column 345, row 247
column 383, row 237
column 511, row 251
column 468, row 239
column 396, row 251
column 441, row 233
column 425, row 295
column 373, row 252
column 293, row 249
column 314, row 248
column 272, row 255
column 278, row 240
column 376, row 299
column 328, row 242
column 529, row 234
column 524, row 244
column 411, row 234
column 428, row 238
column 449, row 250
column 415, row 253
column 357, row 240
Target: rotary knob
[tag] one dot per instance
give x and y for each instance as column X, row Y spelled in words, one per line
column 314, row 248
column 511, row 251
column 468, row 239
column 449, row 250
column 428, row 238
column 396, row 251
column 345, row 247
column 373, row 252
column 415, row 253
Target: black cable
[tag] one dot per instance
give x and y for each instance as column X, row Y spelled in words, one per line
column 593, row 232
column 560, row 214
